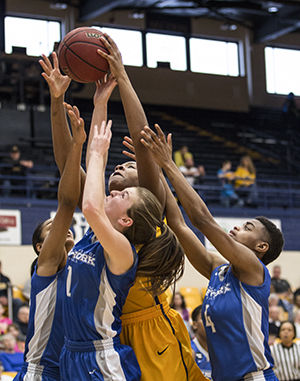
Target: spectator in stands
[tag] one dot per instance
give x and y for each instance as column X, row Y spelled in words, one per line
column 199, row 343
column 11, row 360
column 297, row 323
column 281, row 286
column 245, row 177
column 274, row 300
column 15, row 331
column 289, row 107
column 182, row 155
column 4, row 284
column 274, row 320
column 15, row 166
column 23, row 318
column 178, row 304
column 4, row 320
column 228, row 196
column 185, row 162
column 194, row 175
column 286, row 353
column 296, row 301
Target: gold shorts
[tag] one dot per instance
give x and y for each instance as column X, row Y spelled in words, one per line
column 161, row 344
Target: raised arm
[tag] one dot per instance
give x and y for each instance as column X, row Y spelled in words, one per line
column 61, row 136
column 103, row 91
column 202, row 260
column 244, row 261
column 53, row 252
column 148, row 171
column 117, row 249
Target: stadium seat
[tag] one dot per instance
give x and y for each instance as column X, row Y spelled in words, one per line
column 17, row 293
column 192, row 297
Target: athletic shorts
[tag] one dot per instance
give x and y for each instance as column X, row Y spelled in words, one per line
column 35, row 372
column 104, row 360
column 161, row 344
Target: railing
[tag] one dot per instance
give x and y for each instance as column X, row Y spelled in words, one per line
column 283, row 193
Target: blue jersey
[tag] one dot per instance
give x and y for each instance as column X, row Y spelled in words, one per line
column 235, row 317
column 94, row 296
column 202, row 358
column 45, row 336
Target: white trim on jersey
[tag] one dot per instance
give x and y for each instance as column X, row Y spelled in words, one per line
column 108, row 360
column 252, row 319
column 34, row 372
column 45, row 303
column 103, row 313
column 286, row 361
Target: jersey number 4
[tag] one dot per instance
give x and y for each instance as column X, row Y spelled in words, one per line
column 208, row 321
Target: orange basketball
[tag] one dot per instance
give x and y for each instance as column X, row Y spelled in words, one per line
column 78, row 57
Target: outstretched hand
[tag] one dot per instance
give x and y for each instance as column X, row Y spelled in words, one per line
column 104, row 88
column 114, row 57
column 101, row 136
column 58, row 83
column 157, row 143
column 77, row 124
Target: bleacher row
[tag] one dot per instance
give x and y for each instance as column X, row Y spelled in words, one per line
column 211, row 136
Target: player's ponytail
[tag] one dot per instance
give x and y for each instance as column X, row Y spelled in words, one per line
column 161, row 257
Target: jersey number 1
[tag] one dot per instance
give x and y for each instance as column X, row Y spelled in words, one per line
column 69, row 280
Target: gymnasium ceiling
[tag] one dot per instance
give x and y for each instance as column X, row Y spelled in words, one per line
column 268, row 19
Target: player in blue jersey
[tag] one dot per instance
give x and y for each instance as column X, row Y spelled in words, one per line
column 102, row 267
column 235, row 308
column 146, row 315
column 51, row 241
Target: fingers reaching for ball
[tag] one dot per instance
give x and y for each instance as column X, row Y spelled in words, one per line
column 114, row 57
column 57, row 82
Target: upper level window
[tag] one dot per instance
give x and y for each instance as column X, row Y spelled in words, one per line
column 37, row 36
column 214, row 57
column 129, row 43
column 166, row 48
column 282, row 70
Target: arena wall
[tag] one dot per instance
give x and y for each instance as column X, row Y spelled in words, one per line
column 16, row 262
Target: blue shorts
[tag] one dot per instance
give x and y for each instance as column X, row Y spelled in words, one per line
column 98, row 360
column 34, row 372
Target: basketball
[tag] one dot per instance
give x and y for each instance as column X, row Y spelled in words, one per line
column 78, row 57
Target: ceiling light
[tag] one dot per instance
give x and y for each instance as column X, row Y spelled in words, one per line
column 58, row 6
column 273, row 9
column 137, row 15
column 228, row 26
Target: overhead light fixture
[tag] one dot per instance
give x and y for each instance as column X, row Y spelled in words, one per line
column 228, row 26
column 273, row 9
column 136, row 15
column 58, row 5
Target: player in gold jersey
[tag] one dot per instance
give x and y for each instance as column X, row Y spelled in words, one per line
column 156, row 332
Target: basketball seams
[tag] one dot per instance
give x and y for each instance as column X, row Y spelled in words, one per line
column 78, row 58
column 70, row 70
column 82, row 59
